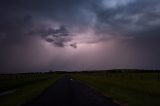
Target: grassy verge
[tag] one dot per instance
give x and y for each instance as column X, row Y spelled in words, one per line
column 126, row 90
column 10, row 82
column 27, row 92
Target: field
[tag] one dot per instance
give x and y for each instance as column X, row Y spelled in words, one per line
column 128, row 89
column 17, row 89
column 125, row 88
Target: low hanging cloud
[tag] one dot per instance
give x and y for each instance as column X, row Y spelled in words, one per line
column 14, row 31
column 59, row 37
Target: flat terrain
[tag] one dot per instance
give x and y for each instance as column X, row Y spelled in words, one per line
column 85, row 89
column 126, row 88
column 17, row 89
column 68, row 92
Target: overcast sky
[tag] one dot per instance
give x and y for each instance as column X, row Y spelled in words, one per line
column 72, row 35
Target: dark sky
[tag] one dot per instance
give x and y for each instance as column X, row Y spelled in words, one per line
column 38, row 35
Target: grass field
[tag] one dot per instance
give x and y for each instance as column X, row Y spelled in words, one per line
column 26, row 86
column 128, row 89
column 125, row 88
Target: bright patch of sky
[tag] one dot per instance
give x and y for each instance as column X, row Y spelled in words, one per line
column 116, row 3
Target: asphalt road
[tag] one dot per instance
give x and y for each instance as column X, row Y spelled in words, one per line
column 68, row 92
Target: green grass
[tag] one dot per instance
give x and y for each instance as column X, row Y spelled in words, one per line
column 28, row 91
column 133, row 89
column 9, row 82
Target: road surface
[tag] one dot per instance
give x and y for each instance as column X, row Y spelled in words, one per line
column 68, row 92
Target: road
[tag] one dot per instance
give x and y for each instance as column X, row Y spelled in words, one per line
column 68, row 92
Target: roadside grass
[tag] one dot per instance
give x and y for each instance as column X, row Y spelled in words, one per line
column 10, row 82
column 131, row 89
column 28, row 92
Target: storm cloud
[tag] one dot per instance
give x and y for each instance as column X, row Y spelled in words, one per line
column 39, row 35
